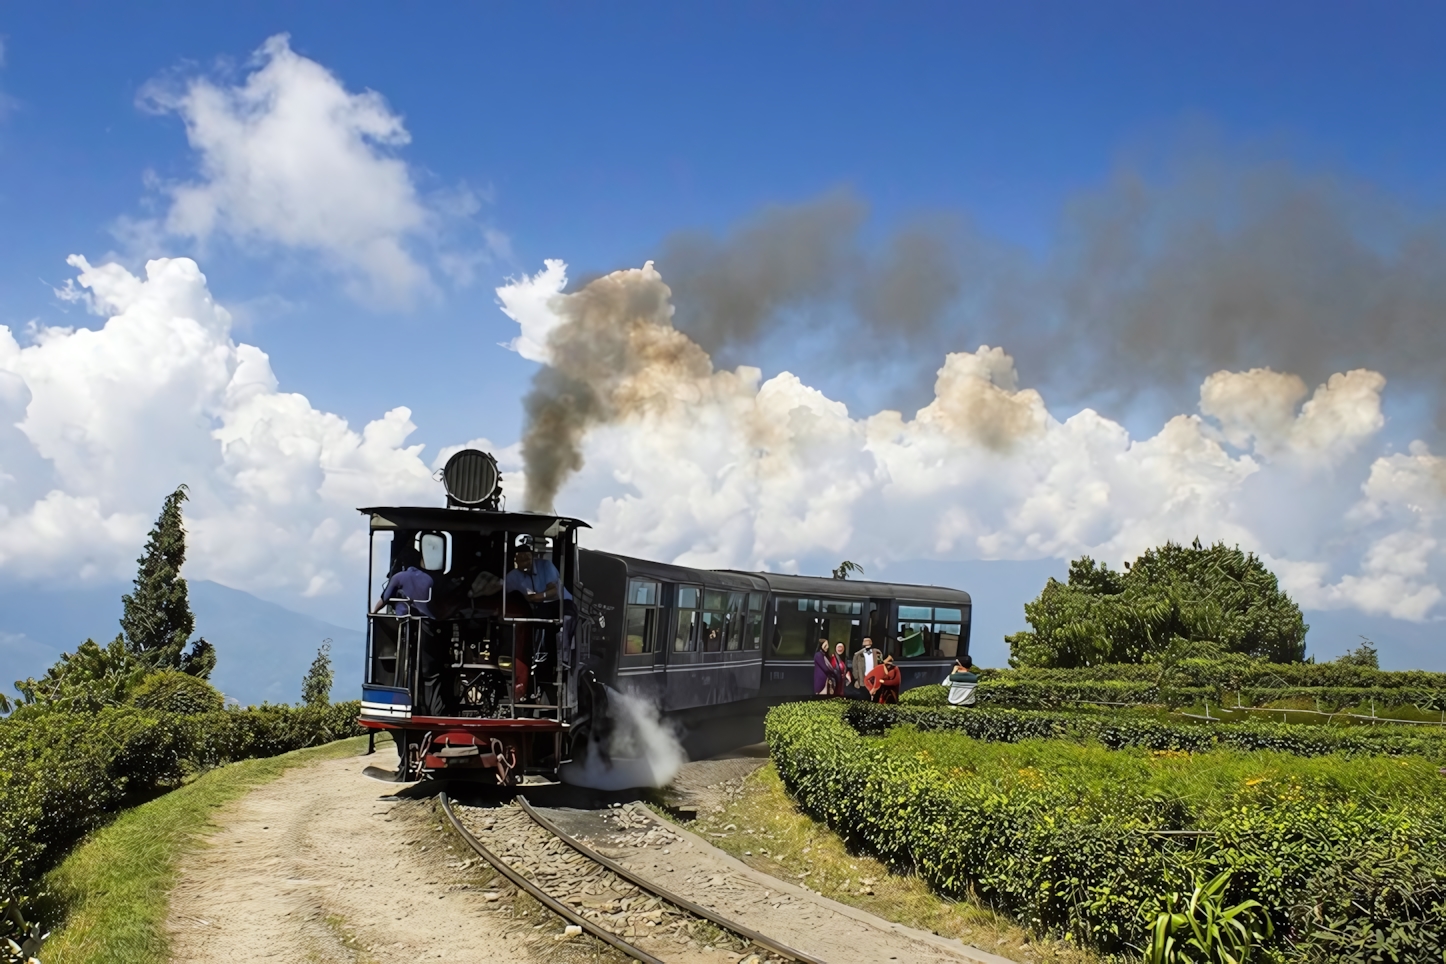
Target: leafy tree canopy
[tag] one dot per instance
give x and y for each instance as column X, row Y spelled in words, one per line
column 1170, row 599
column 87, row 680
column 1363, row 655
column 157, row 622
column 316, row 684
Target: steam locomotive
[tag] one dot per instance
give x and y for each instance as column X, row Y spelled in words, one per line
column 488, row 678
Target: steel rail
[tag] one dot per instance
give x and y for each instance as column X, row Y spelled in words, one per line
column 657, row 890
column 542, row 897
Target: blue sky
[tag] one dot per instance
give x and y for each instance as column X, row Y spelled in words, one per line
column 594, row 133
column 599, row 130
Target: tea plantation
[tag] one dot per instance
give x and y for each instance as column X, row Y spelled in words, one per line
column 1162, row 774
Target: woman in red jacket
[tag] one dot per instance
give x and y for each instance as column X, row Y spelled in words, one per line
column 883, row 682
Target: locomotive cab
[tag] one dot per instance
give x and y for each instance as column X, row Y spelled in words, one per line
column 470, row 669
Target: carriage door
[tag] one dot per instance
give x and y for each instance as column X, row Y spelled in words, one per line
column 880, row 616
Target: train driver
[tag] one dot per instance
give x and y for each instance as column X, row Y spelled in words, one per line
column 409, row 592
column 537, row 579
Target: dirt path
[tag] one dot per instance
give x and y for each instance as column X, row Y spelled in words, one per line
column 318, row 867
column 323, row 866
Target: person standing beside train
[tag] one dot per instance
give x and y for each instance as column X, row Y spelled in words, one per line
column 864, row 662
column 841, row 665
column 883, row 682
column 824, row 675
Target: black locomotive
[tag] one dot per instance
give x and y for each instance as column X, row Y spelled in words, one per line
column 480, row 673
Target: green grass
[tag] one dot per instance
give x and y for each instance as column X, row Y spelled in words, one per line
column 114, row 888
column 1098, row 780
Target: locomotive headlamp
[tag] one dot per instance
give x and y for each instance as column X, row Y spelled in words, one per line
column 471, row 478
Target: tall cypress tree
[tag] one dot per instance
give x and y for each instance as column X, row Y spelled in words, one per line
column 157, row 621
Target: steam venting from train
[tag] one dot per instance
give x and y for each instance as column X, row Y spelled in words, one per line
column 641, row 750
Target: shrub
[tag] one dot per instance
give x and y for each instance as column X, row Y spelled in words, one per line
column 1219, row 595
column 172, row 691
column 1234, row 671
column 1095, row 874
column 63, row 774
column 1006, row 688
column 1119, row 730
column 1374, row 906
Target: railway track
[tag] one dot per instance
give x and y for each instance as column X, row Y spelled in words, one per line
column 601, row 896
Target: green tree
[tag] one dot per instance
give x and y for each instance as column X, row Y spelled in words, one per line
column 316, row 684
column 846, row 567
column 1363, row 655
column 1171, row 596
column 157, row 622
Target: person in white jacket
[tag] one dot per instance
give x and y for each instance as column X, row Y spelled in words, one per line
column 961, row 682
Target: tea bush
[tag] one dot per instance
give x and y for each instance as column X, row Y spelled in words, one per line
column 62, row 774
column 1117, row 730
column 176, row 692
column 1232, row 672
column 1096, row 873
column 1014, row 688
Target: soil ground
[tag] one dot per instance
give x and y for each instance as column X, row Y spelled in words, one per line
column 327, row 865
column 321, row 866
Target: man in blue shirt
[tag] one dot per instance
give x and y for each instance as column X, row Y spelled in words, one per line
column 536, row 579
column 410, row 584
column 409, row 593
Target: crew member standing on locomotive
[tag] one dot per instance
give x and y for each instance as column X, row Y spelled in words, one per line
column 538, row 581
column 409, row 589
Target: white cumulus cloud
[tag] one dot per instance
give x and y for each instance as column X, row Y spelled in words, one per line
column 289, row 157
column 111, row 419
column 724, row 468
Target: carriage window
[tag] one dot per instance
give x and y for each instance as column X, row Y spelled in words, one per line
column 926, row 632
column 642, row 618
column 715, row 620
column 803, row 622
column 794, row 627
column 753, row 634
column 683, row 639
column 737, row 609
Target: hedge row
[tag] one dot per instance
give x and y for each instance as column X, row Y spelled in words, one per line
column 1233, row 672
column 62, row 774
column 1099, row 880
column 1116, row 731
column 1010, row 690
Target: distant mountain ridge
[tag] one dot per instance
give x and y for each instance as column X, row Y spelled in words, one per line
column 263, row 649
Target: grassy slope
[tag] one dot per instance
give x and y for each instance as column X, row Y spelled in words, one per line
column 115, row 886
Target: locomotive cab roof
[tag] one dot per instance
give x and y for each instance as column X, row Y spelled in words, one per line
column 457, row 519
